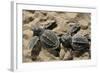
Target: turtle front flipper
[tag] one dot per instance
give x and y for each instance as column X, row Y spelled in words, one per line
column 35, row 46
column 33, row 42
column 35, row 51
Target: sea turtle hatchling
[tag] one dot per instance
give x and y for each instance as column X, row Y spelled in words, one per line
column 45, row 37
column 74, row 42
column 66, row 39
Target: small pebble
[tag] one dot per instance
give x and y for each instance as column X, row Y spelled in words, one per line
column 27, row 34
column 84, row 24
column 27, row 17
column 46, row 56
column 71, row 15
column 68, row 56
column 26, row 27
column 25, row 44
column 62, row 53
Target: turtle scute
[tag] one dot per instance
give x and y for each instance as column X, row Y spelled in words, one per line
column 49, row 40
column 80, row 43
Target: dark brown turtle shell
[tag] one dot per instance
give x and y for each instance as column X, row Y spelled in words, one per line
column 80, row 43
column 49, row 40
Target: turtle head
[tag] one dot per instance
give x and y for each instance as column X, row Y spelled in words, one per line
column 37, row 31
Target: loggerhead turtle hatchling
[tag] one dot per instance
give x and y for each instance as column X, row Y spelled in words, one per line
column 45, row 38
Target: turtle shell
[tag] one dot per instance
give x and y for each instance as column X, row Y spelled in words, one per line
column 80, row 43
column 49, row 40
